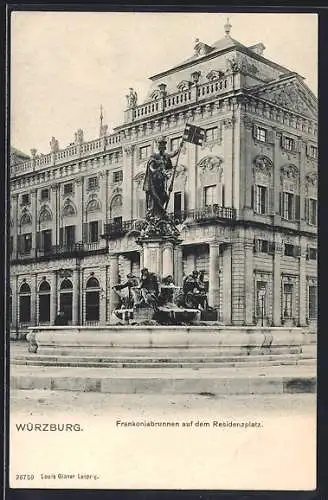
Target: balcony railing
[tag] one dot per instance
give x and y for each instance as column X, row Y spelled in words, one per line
column 211, row 213
column 57, row 251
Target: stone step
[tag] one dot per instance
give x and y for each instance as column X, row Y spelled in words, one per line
column 218, row 381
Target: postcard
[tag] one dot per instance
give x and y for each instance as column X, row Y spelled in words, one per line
column 163, row 250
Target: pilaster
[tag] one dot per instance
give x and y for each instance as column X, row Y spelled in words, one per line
column 277, row 282
column 226, row 306
column 35, row 225
column 127, row 187
column 76, row 297
column 54, row 298
column 214, row 283
column 302, row 294
column 113, row 273
column 34, row 312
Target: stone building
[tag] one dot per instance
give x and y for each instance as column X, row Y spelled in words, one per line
column 246, row 199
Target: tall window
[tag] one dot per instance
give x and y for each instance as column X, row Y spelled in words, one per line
column 288, row 300
column 210, row 195
column 25, row 303
column 44, row 302
column 313, row 211
column 92, row 183
column 116, row 206
column 66, row 298
column 92, row 300
column 288, row 206
column 69, row 235
column 46, row 240
column 261, row 291
column 177, row 203
column 93, row 231
column 25, row 243
column 261, row 134
column 68, row 188
column 144, row 152
column 261, row 199
column 118, row 176
column 288, row 143
column 211, row 134
column 44, row 194
column 312, row 306
column 25, row 199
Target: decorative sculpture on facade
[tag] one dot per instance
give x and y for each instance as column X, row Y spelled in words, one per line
column 132, row 98
column 54, row 145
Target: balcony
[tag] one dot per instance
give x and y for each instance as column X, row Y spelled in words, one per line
column 208, row 214
column 76, row 250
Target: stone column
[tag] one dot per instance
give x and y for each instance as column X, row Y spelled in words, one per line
column 167, row 259
column 79, row 205
column 178, row 265
column 113, row 273
column 54, row 299
column 141, row 261
column 302, row 294
column 238, row 281
column 226, row 306
column 34, row 313
column 277, row 283
column 214, row 283
column 228, row 146
column 76, row 297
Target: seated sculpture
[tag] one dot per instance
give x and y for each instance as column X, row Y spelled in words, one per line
column 193, row 294
column 125, row 292
column 149, row 290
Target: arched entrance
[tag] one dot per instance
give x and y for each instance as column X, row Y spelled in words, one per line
column 25, row 304
column 66, row 298
column 92, row 295
column 44, row 302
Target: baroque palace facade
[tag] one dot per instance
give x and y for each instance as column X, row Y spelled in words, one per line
column 246, row 200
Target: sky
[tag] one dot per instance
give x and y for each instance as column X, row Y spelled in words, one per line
column 65, row 65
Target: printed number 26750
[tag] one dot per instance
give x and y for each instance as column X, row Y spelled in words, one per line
column 20, row 477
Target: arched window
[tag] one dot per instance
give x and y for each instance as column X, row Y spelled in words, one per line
column 66, row 298
column 25, row 303
column 92, row 299
column 44, row 302
column 116, row 207
column 262, row 188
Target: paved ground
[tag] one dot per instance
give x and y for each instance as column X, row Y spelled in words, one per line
column 41, row 402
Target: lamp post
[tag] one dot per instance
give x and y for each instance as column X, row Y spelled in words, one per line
column 261, row 295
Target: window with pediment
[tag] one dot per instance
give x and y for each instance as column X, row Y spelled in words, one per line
column 68, row 210
column 262, row 188
column 311, row 195
column 45, row 215
column 93, row 205
column 289, row 195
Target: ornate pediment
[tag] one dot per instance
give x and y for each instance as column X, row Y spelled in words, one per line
column 290, row 95
column 214, row 74
column 311, row 178
column 289, row 172
column 184, row 85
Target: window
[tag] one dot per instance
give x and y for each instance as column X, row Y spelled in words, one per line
column 312, row 152
column 289, row 144
column 289, row 250
column 288, row 206
column 69, row 235
column 312, row 254
column 44, row 194
column 211, row 134
column 25, row 199
column 312, row 302
column 175, row 143
column 26, row 243
column 118, row 176
column 261, row 196
column 210, row 195
column 261, row 291
column 144, row 152
column 263, row 246
column 66, row 298
column 25, row 303
column 46, row 240
column 92, row 183
column 68, row 188
column 313, row 212
column 261, row 134
column 92, row 300
column 93, row 232
column 288, row 300
column 44, row 302
column 177, row 203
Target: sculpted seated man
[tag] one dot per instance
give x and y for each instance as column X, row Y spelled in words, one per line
column 194, row 293
column 149, row 290
column 125, row 291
